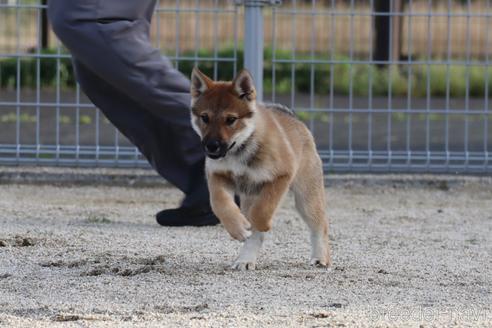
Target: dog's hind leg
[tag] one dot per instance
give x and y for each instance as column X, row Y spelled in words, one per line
column 249, row 251
column 309, row 195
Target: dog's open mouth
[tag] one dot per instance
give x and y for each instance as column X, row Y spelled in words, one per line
column 215, row 156
column 220, row 154
column 232, row 145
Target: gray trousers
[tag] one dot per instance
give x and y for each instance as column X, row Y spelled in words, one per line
column 133, row 85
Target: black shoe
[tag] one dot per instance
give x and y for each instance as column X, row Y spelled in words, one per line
column 196, row 216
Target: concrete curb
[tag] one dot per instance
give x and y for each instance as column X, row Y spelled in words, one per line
column 148, row 178
column 81, row 176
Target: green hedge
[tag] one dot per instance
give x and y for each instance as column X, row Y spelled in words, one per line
column 363, row 76
column 29, row 68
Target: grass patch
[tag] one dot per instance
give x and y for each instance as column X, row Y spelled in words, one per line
column 23, row 118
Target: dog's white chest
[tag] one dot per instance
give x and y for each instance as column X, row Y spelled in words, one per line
column 240, row 172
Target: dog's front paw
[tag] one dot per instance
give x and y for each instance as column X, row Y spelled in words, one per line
column 240, row 229
column 240, row 233
column 244, row 265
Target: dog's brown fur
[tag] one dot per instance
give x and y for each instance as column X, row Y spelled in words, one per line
column 271, row 152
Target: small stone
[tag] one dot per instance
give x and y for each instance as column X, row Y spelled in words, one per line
column 320, row 315
column 125, row 273
column 66, row 317
column 27, row 242
column 443, row 185
column 93, row 272
column 23, row 242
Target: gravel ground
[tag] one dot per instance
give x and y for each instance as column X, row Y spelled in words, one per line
column 405, row 254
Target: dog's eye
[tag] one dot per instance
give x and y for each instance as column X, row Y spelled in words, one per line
column 205, row 118
column 230, row 120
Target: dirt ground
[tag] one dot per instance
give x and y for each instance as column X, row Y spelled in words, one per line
column 406, row 253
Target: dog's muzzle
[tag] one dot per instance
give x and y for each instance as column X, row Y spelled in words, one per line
column 216, row 149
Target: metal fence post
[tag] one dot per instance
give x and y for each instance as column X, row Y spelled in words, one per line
column 254, row 39
column 45, row 33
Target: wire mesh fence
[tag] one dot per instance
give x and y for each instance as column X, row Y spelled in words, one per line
column 417, row 101
column 384, row 85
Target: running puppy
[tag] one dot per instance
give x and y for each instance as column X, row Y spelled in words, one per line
column 259, row 152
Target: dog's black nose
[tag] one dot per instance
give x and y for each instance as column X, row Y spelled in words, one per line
column 213, row 146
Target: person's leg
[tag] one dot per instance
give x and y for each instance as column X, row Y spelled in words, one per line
column 111, row 38
column 167, row 147
column 139, row 91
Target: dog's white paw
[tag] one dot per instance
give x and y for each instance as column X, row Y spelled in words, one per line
column 244, row 265
column 320, row 250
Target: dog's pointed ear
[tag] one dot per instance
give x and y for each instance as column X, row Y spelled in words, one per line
column 199, row 83
column 244, row 86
